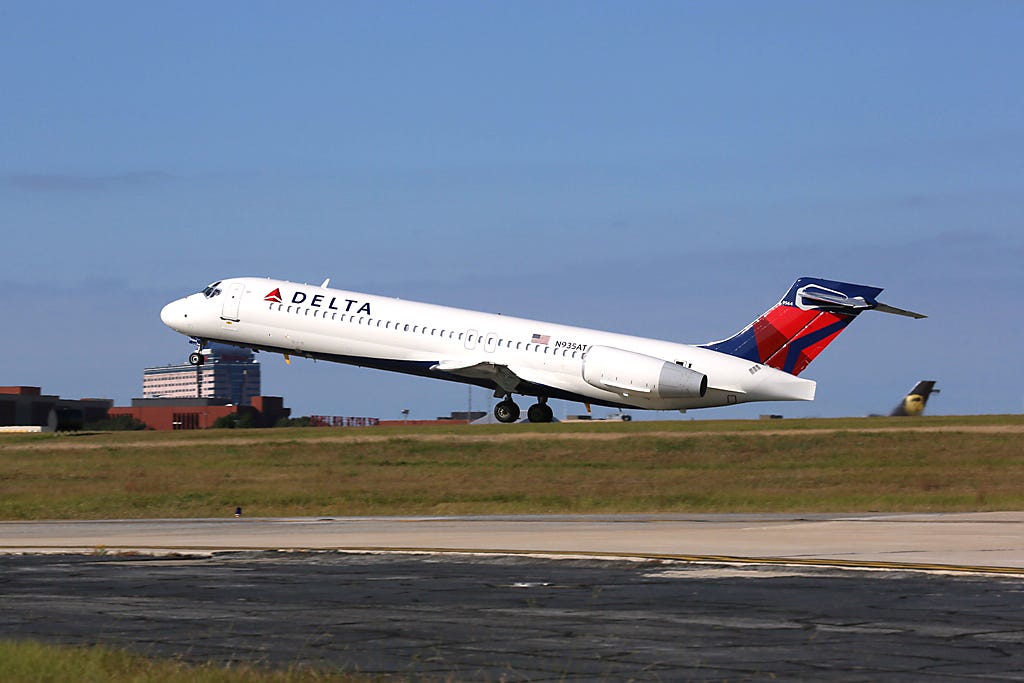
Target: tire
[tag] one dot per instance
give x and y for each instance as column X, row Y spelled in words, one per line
column 627, row 418
column 506, row 412
column 540, row 412
column 195, row 358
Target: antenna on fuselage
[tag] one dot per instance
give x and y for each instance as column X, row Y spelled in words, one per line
column 326, row 282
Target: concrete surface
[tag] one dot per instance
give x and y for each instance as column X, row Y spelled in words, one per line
column 990, row 539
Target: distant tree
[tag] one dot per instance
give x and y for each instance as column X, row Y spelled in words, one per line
column 293, row 422
column 226, row 422
column 235, row 421
column 245, row 421
column 117, row 423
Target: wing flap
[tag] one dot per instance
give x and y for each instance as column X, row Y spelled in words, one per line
column 498, row 373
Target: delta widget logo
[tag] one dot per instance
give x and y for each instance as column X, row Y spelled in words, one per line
column 334, row 303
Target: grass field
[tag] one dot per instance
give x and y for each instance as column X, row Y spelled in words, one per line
column 34, row 662
column 820, row 465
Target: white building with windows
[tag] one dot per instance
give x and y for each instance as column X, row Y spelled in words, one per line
column 228, row 373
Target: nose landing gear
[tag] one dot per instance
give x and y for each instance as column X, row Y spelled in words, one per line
column 197, row 357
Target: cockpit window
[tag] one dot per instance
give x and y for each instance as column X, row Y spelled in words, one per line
column 212, row 290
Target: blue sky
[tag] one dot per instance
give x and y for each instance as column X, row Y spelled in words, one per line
column 660, row 168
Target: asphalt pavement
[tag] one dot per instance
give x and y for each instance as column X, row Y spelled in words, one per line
column 524, row 618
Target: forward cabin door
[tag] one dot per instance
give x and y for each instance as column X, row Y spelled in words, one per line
column 232, row 301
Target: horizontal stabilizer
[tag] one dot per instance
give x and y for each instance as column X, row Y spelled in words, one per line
column 886, row 308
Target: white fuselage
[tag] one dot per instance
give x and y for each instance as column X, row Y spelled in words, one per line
column 542, row 359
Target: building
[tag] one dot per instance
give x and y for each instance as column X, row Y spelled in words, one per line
column 229, row 373
column 30, row 407
column 166, row 414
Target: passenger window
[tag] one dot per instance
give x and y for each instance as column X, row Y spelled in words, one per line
column 407, row 328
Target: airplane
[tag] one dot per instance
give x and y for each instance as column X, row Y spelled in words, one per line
column 914, row 402
column 512, row 355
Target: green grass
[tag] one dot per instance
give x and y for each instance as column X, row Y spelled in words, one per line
column 34, row 662
column 866, row 464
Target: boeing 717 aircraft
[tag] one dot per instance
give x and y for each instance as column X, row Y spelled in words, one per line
column 512, row 356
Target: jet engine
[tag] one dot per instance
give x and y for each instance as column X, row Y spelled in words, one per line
column 626, row 372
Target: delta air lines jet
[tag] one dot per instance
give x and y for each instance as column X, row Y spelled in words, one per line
column 512, row 356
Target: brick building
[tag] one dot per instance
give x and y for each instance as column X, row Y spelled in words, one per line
column 229, row 373
column 166, row 414
column 30, row 407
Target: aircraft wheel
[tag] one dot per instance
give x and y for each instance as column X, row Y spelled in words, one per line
column 540, row 412
column 195, row 358
column 506, row 411
column 627, row 418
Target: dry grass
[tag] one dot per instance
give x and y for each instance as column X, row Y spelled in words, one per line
column 34, row 662
column 929, row 464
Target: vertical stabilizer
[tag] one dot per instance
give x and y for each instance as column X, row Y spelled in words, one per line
column 914, row 402
column 792, row 333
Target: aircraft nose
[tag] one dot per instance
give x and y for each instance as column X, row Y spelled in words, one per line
column 174, row 316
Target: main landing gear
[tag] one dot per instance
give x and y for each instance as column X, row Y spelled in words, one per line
column 507, row 411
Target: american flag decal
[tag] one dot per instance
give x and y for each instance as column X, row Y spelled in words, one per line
column 540, row 339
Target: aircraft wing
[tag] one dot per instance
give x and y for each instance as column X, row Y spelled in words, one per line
column 498, row 373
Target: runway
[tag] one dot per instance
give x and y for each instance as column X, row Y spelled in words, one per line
column 538, row 598
column 981, row 541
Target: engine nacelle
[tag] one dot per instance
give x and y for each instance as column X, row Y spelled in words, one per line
column 626, row 372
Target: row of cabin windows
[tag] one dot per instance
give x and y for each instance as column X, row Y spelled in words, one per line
column 408, row 327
